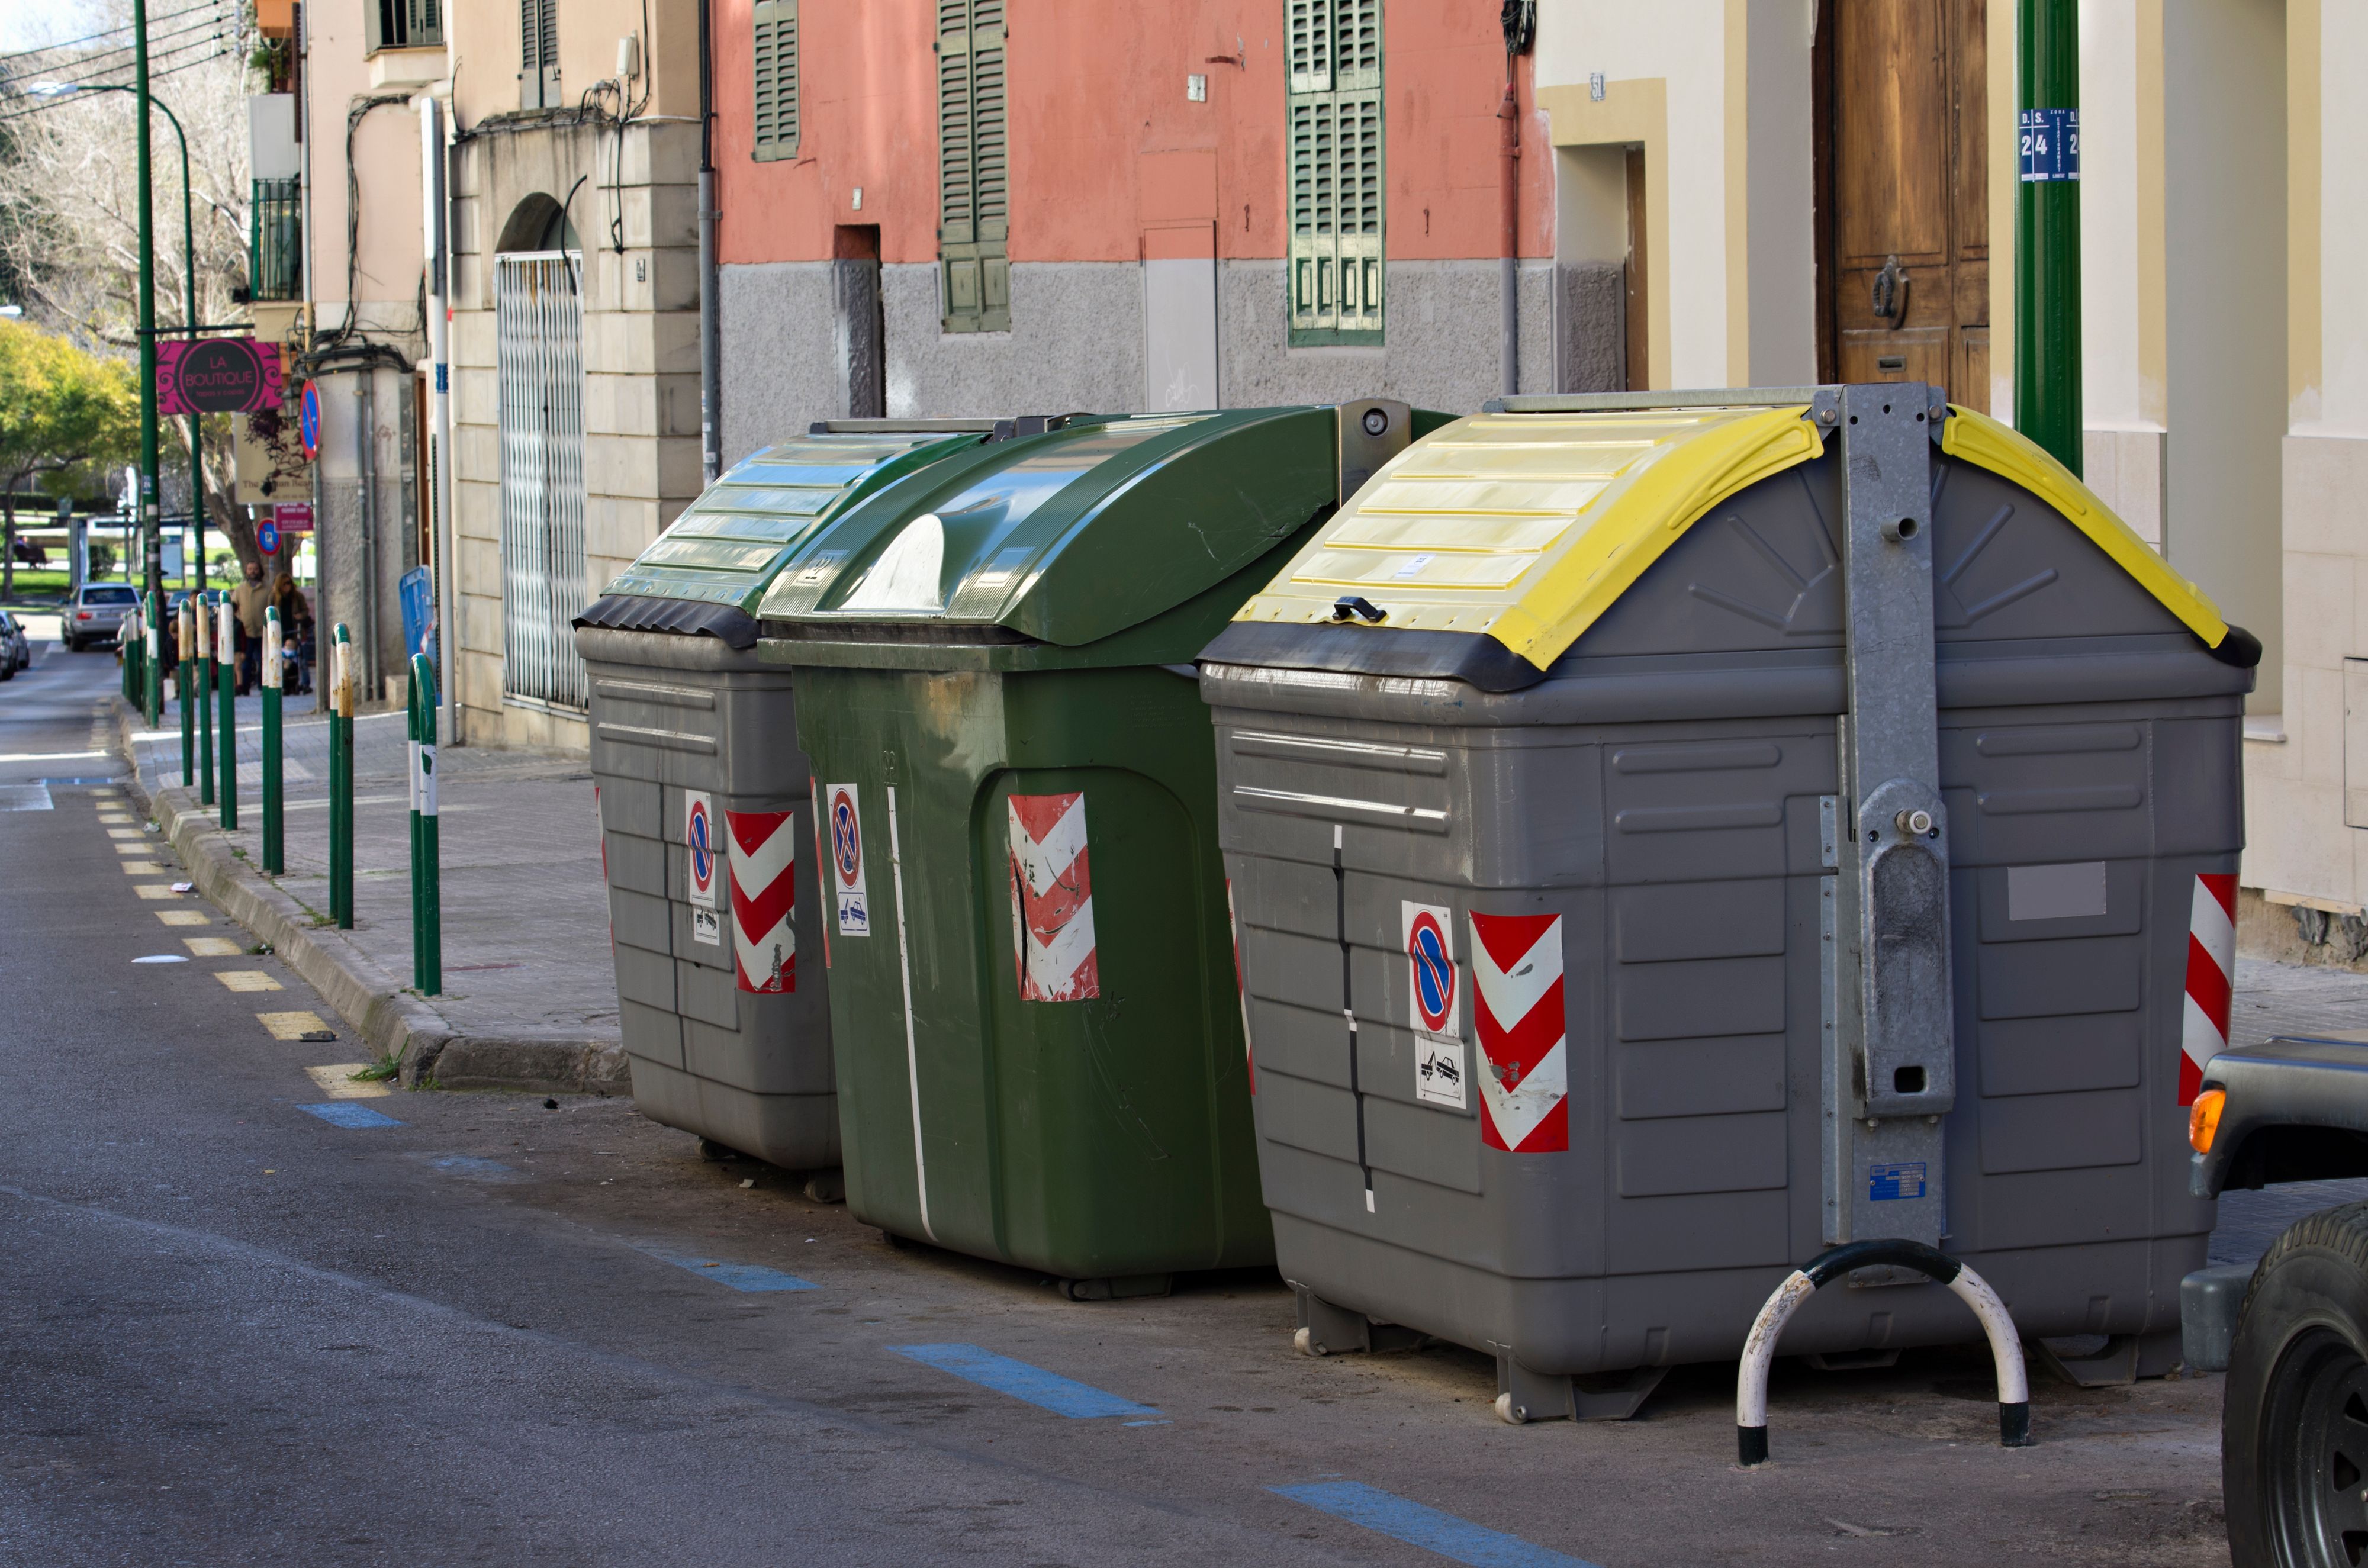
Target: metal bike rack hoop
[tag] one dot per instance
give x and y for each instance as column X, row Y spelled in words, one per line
column 1834, row 1262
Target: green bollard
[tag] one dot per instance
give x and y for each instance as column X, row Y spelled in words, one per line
column 152, row 692
column 226, row 683
column 205, row 703
column 275, row 855
column 185, row 675
column 341, row 783
column 426, row 872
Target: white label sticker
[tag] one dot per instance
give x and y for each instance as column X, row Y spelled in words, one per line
column 707, row 927
column 1434, row 1007
column 846, row 818
column 701, row 836
column 423, row 782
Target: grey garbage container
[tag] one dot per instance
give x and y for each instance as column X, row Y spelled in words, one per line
column 719, row 978
column 1668, row 840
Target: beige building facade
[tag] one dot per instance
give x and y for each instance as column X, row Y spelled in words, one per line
column 574, row 335
column 362, row 330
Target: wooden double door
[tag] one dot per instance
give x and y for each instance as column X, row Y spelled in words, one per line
column 1903, row 196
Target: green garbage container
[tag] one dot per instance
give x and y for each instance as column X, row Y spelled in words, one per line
column 702, row 797
column 1032, row 998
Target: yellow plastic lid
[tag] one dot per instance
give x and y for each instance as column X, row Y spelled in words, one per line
column 1978, row 439
column 1528, row 526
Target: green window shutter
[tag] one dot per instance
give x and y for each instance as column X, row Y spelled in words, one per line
column 1334, row 269
column 776, row 23
column 974, row 167
column 538, row 54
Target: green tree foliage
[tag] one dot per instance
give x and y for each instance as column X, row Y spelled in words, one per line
column 65, row 414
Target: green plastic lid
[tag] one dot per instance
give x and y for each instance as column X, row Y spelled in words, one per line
column 1062, row 537
column 726, row 546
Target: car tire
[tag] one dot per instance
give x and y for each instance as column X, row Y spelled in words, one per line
column 2293, row 1431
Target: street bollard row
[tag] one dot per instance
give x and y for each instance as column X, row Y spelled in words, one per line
column 200, row 667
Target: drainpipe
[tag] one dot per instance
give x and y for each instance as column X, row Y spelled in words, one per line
column 711, row 353
column 366, row 465
column 433, row 164
column 1520, row 17
column 2047, row 227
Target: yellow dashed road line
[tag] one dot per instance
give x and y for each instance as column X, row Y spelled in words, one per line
column 336, row 1081
column 213, row 947
column 156, row 890
column 180, row 917
column 125, row 832
column 129, row 848
column 290, row 1026
column 246, row 980
column 143, row 868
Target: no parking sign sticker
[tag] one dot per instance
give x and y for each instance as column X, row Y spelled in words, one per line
column 846, row 819
column 1430, row 941
column 699, row 836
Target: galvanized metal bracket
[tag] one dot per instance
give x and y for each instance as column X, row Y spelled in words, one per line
column 1890, row 1067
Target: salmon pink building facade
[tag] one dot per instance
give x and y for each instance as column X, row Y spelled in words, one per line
column 961, row 207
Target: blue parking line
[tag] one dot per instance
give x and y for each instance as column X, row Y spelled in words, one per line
column 1050, row 1390
column 739, row 1275
column 344, row 1113
column 1386, row 1514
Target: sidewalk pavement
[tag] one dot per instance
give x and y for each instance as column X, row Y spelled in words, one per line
column 531, row 993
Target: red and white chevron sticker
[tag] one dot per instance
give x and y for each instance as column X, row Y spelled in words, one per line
column 1052, row 899
column 763, row 864
column 1525, row 1077
column 2211, row 978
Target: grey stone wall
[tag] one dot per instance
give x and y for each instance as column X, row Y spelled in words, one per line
column 1078, row 342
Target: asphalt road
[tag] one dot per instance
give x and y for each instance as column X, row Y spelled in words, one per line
column 501, row 1331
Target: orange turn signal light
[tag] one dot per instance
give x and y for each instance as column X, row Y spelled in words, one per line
column 2203, row 1120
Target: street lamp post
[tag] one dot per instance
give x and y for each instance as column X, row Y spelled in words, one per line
column 147, row 331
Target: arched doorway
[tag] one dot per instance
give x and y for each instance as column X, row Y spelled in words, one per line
column 539, row 359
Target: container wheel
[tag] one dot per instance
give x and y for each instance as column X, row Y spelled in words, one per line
column 1511, row 1415
column 1303, row 1341
column 2294, row 1436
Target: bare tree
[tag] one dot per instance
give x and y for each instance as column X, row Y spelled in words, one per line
column 69, row 210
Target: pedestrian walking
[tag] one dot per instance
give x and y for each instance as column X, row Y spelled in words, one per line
column 296, row 635
column 247, row 602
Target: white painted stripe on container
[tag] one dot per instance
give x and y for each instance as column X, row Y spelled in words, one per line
column 905, row 973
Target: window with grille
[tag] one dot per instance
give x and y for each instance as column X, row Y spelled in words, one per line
column 776, row 23
column 539, row 55
column 402, row 24
column 974, row 191
column 546, row 580
column 1334, row 114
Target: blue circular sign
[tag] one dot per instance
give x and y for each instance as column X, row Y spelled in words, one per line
column 266, row 539
column 1434, row 973
column 308, row 419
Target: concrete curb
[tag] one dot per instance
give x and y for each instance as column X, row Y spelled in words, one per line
column 391, row 1019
